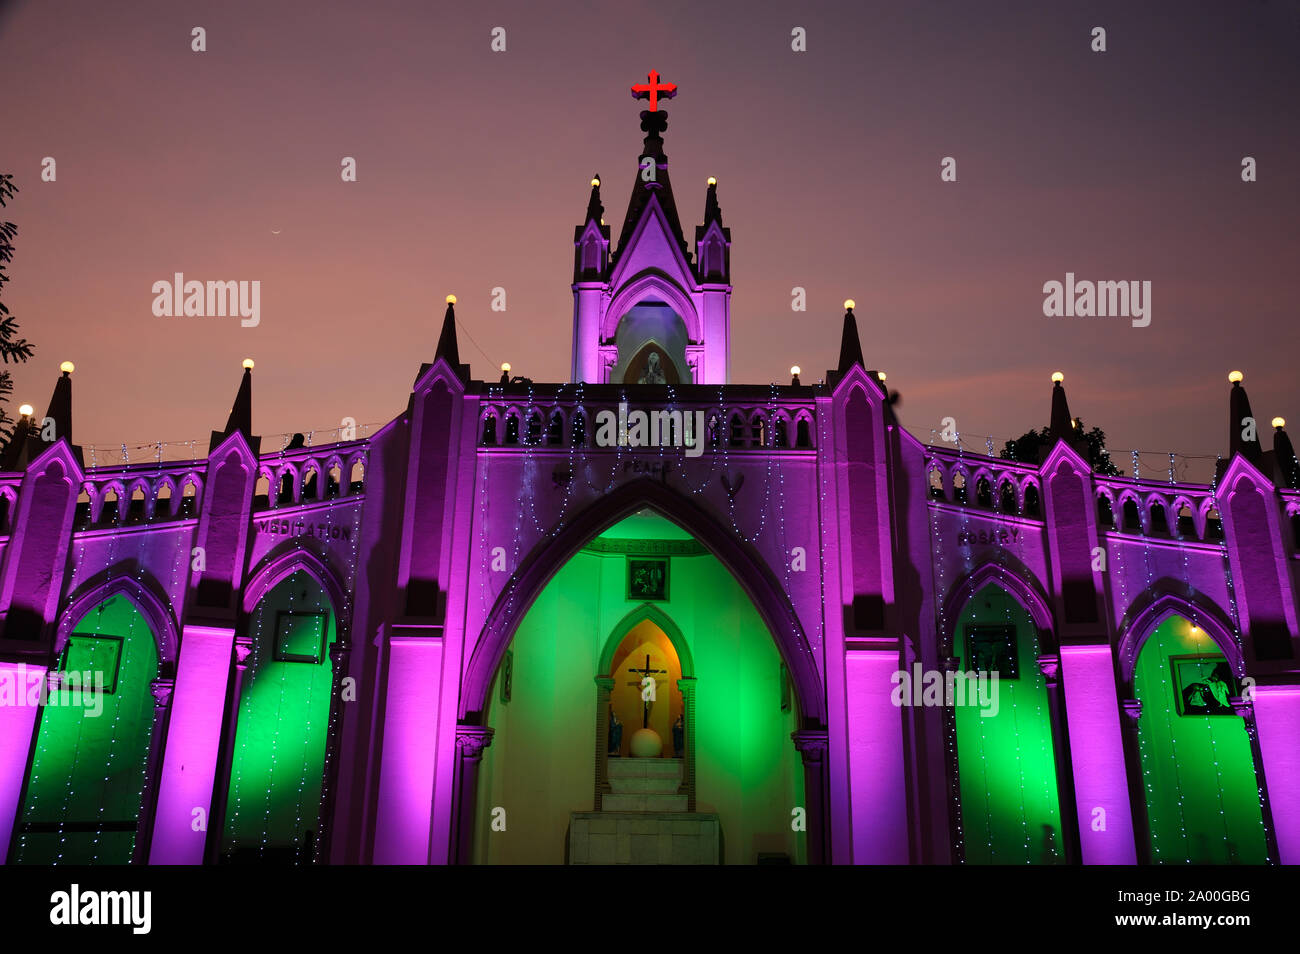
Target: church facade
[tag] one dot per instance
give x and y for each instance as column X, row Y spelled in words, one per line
column 645, row 615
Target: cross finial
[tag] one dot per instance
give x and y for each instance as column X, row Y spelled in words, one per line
column 653, row 89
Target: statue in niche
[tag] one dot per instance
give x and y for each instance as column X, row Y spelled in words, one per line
column 679, row 736
column 653, row 372
column 615, row 733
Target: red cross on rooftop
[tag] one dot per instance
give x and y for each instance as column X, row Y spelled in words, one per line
column 653, row 89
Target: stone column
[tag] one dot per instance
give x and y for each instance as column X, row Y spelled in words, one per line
column 604, row 685
column 1050, row 666
column 340, row 655
column 687, row 685
column 411, row 736
column 161, row 689
column 877, row 769
column 471, row 740
column 1275, row 719
column 225, row 764
column 813, row 746
column 192, row 746
column 1097, row 754
column 17, row 736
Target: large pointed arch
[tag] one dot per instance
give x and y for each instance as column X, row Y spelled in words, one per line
column 1146, row 615
column 648, row 284
column 289, row 560
column 749, row 570
column 1018, row 582
column 143, row 596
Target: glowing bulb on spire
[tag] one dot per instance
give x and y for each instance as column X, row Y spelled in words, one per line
column 1057, row 377
column 67, row 367
column 1235, row 377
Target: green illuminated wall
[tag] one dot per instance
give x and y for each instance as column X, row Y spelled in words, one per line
column 1010, row 807
column 83, row 798
column 273, row 806
column 1198, row 773
column 539, row 765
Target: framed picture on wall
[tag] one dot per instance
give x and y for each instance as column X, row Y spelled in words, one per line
column 1203, row 685
column 647, row 579
column 90, row 658
column 300, row 637
column 992, row 649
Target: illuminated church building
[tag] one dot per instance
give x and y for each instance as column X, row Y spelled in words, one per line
column 563, row 623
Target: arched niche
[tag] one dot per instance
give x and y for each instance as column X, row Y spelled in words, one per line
column 651, row 339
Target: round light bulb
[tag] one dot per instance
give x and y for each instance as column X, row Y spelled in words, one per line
column 1057, row 377
column 595, row 181
column 880, row 375
column 248, row 364
column 794, row 370
column 849, row 304
column 67, row 367
column 505, row 366
column 25, row 410
column 1279, row 422
column 712, row 181
column 451, row 299
column 1235, row 377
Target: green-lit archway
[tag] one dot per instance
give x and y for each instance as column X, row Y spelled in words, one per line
column 543, row 705
column 1198, row 771
column 1010, row 804
column 82, row 803
column 273, row 805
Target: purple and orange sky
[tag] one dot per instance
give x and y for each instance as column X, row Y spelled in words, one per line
column 473, row 169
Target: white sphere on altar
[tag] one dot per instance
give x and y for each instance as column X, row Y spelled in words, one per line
column 645, row 744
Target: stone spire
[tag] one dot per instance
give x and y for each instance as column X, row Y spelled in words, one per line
column 1238, row 412
column 591, row 240
column 240, row 419
column 1284, row 459
column 1062, row 426
column 595, row 211
column 60, row 410
column 660, row 186
column 447, row 340
column 712, row 211
column 850, row 345
column 29, row 434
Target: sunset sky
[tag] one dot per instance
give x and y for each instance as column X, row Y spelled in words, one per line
column 473, row 170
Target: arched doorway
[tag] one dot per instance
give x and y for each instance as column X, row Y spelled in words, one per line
column 273, row 797
column 1198, row 776
column 1006, row 748
column 83, row 799
column 585, row 629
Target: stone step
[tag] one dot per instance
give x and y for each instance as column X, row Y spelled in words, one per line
column 643, row 768
column 643, row 802
column 665, row 839
column 645, row 777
